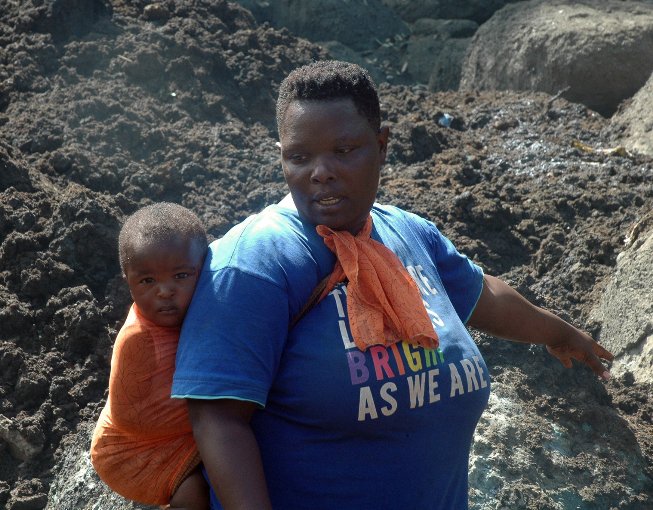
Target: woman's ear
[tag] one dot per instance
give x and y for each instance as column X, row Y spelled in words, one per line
column 382, row 137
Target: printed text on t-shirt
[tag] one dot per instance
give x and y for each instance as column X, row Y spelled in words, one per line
column 414, row 371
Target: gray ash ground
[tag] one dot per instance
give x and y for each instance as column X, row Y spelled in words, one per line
column 104, row 112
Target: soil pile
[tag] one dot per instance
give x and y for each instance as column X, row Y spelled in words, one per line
column 105, row 108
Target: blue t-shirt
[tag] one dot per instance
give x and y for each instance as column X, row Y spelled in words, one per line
column 338, row 428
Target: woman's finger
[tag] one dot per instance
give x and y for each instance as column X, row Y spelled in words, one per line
column 603, row 353
column 593, row 361
column 557, row 353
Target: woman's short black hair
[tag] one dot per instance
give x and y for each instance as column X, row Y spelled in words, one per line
column 158, row 224
column 328, row 80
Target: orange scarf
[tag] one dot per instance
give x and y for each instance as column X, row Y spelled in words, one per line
column 383, row 302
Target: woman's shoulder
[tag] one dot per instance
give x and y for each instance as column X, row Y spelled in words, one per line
column 402, row 220
column 273, row 242
column 273, row 229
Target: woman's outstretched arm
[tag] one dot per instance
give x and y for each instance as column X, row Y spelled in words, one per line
column 501, row 311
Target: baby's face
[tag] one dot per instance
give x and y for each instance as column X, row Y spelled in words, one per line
column 162, row 279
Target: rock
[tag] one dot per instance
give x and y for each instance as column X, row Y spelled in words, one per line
column 633, row 122
column 601, row 51
column 4, row 492
column 532, row 456
column 76, row 485
column 359, row 25
column 63, row 18
column 156, row 12
column 436, row 60
column 453, row 28
column 339, row 51
column 475, row 10
column 28, row 495
column 503, row 181
column 12, row 174
column 19, row 446
column 625, row 311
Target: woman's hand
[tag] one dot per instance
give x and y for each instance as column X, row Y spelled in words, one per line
column 583, row 348
column 501, row 311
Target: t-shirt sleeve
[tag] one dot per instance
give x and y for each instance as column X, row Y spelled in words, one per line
column 462, row 279
column 232, row 337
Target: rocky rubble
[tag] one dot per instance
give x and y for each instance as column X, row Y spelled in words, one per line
column 105, row 107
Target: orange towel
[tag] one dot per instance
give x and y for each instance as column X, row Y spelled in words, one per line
column 143, row 444
column 383, row 302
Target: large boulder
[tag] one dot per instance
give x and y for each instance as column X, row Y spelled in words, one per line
column 359, row 25
column 436, row 50
column 632, row 125
column 398, row 41
column 599, row 53
column 625, row 311
column 476, row 10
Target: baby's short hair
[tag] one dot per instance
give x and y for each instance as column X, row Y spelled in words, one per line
column 159, row 223
column 328, row 80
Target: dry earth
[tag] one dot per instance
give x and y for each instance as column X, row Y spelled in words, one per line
column 103, row 110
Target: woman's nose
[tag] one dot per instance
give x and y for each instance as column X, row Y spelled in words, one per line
column 323, row 170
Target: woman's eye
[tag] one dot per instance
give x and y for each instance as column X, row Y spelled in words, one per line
column 344, row 150
column 146, row 281
column 181, row 276
column 297, row 158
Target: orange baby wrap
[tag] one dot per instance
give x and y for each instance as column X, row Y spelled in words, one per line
column 384, row 304
column 143, row 444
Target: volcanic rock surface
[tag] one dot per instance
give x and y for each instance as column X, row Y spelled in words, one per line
column 107, row 107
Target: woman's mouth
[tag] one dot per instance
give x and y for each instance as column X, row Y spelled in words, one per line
column 329, row 201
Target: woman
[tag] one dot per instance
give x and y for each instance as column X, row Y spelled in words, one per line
column 313, row 413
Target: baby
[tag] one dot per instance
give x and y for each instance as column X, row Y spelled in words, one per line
column 143, row 445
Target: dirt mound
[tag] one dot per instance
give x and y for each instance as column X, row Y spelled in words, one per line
column 632, row 125
column 104, row 112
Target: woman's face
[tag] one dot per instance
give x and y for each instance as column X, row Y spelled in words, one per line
column 331, row 159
